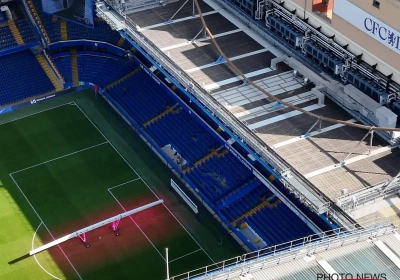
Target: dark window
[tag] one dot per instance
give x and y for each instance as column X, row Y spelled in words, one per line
column 376, row 4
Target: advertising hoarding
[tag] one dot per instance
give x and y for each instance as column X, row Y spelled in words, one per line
column 370, row 25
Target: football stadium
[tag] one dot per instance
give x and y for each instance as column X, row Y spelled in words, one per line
column 199, row 139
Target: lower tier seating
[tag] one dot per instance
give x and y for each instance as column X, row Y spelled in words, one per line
column 101, row 69
column 275, row 222
column 95, row 67
column 21, row 77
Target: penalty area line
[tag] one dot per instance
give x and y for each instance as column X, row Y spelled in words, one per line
column 67, row 155
column 123, row 184
column 200, row 249
column 38, row 112
column 130, row 217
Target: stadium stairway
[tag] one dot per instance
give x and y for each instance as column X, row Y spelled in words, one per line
column 63, row 29
column 279, row 223
column 50, row 74
column 168, row 110
column 74, row 67
column 15, row 32
column 251, row 212
column 123, row 78
column 246, row 203
column 238, row 193
column 213, row 152
column 38, row 20
column 7, row 40
column 120, row 42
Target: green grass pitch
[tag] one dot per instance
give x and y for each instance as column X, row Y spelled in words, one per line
column 59, row 173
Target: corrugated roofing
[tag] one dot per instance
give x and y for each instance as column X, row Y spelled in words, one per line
column 358, row 258
column 392, row 242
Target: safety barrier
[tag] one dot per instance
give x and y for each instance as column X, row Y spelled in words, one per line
column 274, row 255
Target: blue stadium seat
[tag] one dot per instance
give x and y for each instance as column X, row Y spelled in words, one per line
column 62, row 61
column 95, row 67
column 103, row 31
column 25, row 30
column 22, row 77
column 101, row 68
column 23, row 24
column 275, row 225
column 7, row 40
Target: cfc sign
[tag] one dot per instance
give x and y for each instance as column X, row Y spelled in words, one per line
column 368, row 24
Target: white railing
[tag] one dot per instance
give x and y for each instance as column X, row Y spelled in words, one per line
column 292, row 250
column 352, row 201
column 53, row 67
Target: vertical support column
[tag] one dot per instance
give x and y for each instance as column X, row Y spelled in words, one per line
column 167, row 262
column 180, row 8
column 370, row 142
column 82, row 237
column 198, row 34
column 307, row 134
column 320, row 124
column 342, row 163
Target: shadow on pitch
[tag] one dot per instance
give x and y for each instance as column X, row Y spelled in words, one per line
column 19, row 259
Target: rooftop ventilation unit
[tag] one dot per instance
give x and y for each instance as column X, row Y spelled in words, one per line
column 285, row 30
column 396, row 108
column 323, row 57
column 368, row 87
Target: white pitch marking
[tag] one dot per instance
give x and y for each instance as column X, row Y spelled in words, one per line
column 124, row 183
column 67, row 155
column 130, row 217
column 48, row 109
column 185, row 255
column 33, row 239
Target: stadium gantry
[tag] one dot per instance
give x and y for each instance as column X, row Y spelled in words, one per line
column 273, row 147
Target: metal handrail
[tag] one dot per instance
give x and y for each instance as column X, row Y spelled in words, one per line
column 350, row 202
column 292, row 250
column 54, row 68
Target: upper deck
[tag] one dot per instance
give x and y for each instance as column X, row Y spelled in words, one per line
column 282, row 129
